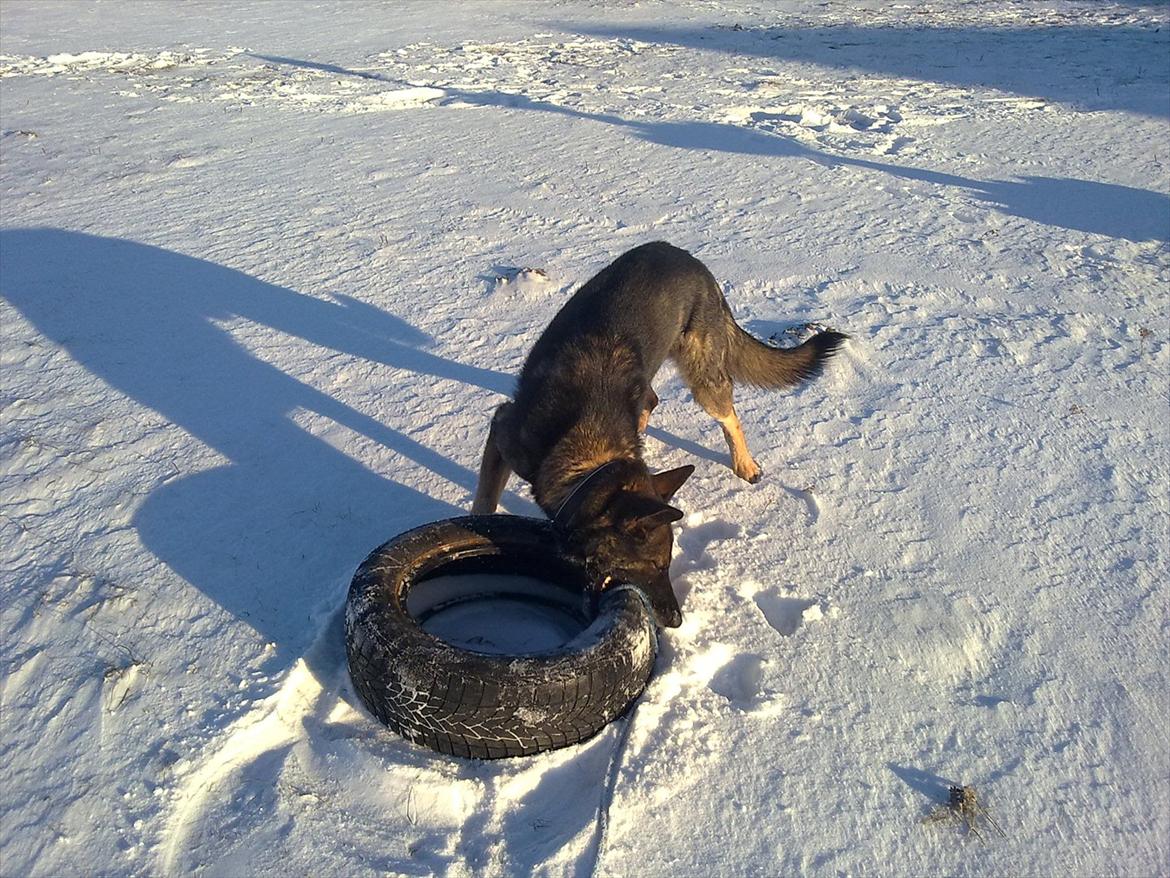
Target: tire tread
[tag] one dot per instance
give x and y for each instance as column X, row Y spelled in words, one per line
column 469, row 704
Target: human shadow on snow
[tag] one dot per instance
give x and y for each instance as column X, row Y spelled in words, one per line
column 1108, row 209
column 269, row 531
column 324, row 68
column 1120, row 67
column 1083, row 205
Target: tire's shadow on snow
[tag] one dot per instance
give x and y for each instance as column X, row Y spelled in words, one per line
column 281, row 524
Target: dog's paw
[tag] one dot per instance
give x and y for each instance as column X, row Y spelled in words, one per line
column 750, row 473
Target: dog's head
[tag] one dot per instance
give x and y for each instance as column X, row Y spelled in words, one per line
column 621, row 532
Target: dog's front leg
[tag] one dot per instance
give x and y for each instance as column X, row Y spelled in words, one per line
column 493, row 474
column 649, row 401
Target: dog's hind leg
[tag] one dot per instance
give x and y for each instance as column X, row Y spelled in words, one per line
column 493, row 473
column 742, row 462
column 712, row 390
column 697, row 357
column 649, row 401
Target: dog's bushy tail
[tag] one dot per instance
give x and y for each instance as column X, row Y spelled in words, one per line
column 750, row 361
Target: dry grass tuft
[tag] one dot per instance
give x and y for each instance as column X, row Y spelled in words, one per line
column 964, row 808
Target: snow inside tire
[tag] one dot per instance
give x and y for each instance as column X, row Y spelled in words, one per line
column 472, row 704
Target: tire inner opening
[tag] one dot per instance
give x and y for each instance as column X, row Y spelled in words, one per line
column 486, row 609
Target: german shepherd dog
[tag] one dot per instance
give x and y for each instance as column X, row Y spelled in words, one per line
column 584, row 397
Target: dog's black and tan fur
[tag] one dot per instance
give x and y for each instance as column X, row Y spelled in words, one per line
column 584, row 397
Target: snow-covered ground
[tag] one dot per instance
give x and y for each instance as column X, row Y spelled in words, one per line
column 254, row 323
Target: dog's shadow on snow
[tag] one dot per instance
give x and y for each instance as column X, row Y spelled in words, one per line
column 270, row 521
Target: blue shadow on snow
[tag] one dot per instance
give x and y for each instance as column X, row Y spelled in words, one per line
column 1119, row 67
column 1083, row 205
column 1108, row 209
column 286, row 514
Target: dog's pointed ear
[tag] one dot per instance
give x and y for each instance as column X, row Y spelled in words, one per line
column 666, row 483
column 638, row 512
column 665, row 515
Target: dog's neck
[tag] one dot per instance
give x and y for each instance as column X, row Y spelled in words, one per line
column 578, row 454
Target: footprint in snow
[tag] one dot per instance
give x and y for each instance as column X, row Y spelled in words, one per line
column 787, row 614
column 741, row 682
column 694, row 539
column 805, row 495
column 512, row 279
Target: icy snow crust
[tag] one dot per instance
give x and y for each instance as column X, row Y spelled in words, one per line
column 264, row 277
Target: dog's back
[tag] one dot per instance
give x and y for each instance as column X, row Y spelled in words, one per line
column 585, row 395
column 595, row 361
column 709, row 330
column 641, row 302
column 653, row 302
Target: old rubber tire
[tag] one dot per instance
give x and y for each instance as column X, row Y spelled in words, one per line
column 479, row 705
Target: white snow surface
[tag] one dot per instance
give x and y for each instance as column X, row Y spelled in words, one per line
column 265, row 269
